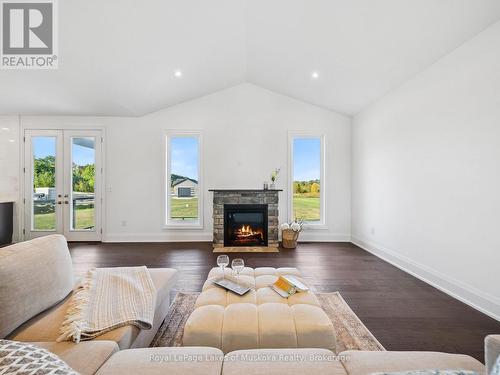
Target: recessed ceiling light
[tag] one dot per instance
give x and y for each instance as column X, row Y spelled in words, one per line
column 11, row 140
column 5, row 129
column 178, row 74
column 314, row 75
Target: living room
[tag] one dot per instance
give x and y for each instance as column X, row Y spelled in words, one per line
column 346, row 149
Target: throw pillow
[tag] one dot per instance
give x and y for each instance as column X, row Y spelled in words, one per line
column 496, row 367
column 21, row 358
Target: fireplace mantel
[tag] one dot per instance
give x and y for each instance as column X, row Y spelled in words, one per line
column 233, row 197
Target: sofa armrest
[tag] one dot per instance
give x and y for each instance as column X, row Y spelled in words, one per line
column 492, row 351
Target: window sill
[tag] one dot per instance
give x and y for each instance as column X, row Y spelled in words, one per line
column 183, row 226
column 319, row 226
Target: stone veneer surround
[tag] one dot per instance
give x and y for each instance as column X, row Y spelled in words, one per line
column 246, row 196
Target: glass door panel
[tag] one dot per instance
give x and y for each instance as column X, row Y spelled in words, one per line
column 44, row 183
column 82, row 185
column 82, row 203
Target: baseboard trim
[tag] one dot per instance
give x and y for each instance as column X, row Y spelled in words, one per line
column 485, row 303
column 323, row 237
column 200, row 236
column 183, row 236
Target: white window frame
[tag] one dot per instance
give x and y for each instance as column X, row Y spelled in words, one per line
column 291, row 137
column 168, row 223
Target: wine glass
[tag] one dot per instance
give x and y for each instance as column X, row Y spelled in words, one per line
column 237, row 265
column 222, row 261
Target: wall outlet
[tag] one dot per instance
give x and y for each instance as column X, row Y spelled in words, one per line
column 372, row 231
column 124, row 223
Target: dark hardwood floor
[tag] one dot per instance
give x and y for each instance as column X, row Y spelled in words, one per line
column 403, row 312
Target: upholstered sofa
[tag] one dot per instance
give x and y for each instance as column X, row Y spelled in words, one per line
column 36, row 279
column 211, row 361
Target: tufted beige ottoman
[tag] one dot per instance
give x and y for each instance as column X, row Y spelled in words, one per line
column 260, row 318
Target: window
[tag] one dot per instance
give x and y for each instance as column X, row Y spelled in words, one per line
column 183, row 181
column 307, row 185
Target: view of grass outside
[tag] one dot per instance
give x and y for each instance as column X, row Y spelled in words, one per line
column 83, row 217
column 184, row 208
column 44, row 215
column 306, row 174
column 306, row 206
column 47, row 221
column 306, row 200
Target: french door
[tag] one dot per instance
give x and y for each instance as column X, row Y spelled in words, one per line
column 63, row 178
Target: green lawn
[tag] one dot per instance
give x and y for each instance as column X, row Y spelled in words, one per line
column 47, row 221
column 184, row 208
column 306, row 207
column 84, row 218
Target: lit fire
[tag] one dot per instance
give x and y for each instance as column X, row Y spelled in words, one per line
column 248, row 236
column 247, row 231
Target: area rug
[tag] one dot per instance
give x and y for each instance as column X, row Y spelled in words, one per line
column 246, row 249
column 350, row 331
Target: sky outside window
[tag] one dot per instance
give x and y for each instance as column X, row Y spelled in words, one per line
column 46, row 146
column 306, row 159
column 184, row 156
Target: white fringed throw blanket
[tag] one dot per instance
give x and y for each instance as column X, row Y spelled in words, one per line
column 109, row 298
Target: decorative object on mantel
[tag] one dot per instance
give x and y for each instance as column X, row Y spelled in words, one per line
column 274, row 178
column 290, row 234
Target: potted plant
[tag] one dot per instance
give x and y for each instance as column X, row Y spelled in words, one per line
column 290, row 233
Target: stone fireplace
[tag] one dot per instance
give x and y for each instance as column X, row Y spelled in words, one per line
column 245, row 218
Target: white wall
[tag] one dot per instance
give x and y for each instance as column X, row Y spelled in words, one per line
column 426, row 174
column 245, row 137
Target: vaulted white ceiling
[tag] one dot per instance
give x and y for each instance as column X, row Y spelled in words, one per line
column 118, row 57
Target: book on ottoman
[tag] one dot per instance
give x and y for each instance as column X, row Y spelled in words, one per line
column 286, row 286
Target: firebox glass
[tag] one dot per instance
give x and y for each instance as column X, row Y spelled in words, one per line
column 245, row 228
